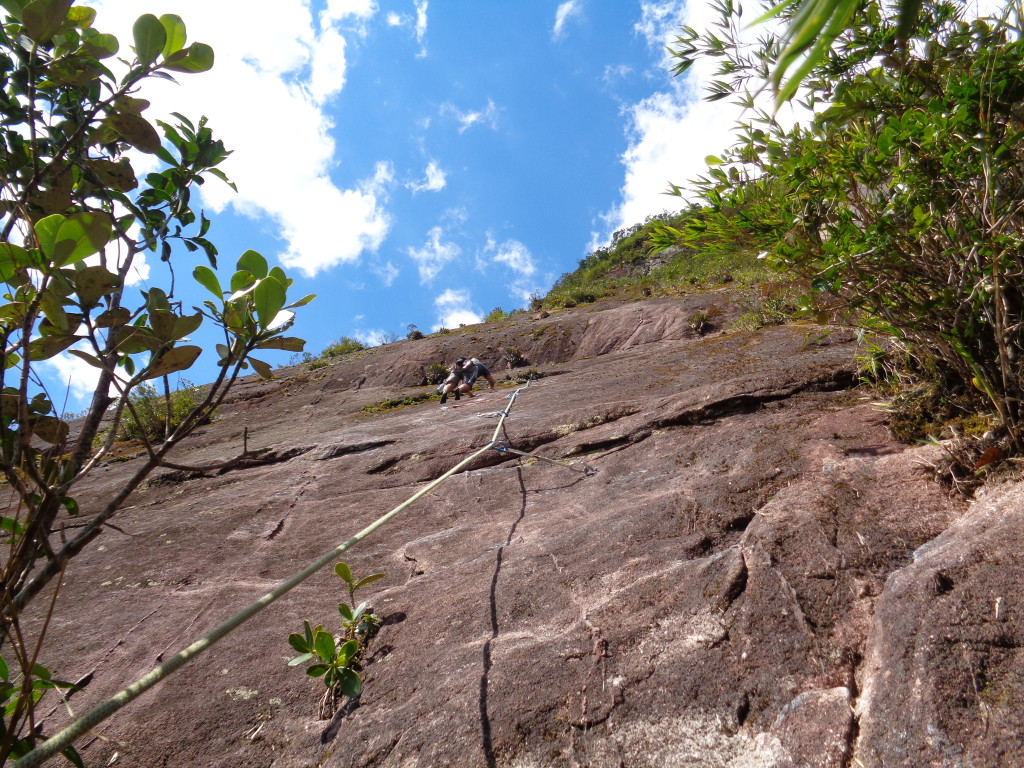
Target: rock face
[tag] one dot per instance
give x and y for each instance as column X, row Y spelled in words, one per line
column 739, row 567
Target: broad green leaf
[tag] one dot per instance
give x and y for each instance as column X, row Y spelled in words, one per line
column 287, row 343
column 12, row 257
column 241, row 280
column 198, row 57
column 302, row 659
column 347, row 651
column 298, row 642
column 46, row 347
column 131, row 340
column 263, row 370
column 53, row 310
column 346, row 611
column 712, row 160
column 71, row 754
column 157, row 299
column 207, row 278
column 317, row 670
column 308, row 632
column 92, row 360
column 15, row 528
column 100, row 46
column 162, row 321
column 350, row 683
column 368, row 580
column 93, row 283
column 112, row 318
column 4, row 671
column 174, row 360
column 119, row 175
column 323, row 643
column 66, row 240
column 281, row 319
column 187, row 324
column 13, row 7
column 44, row 18
column 303, row 301
column 81, row 16
column 150, row 38
column 344, row 572
column 282, row 278
column 134, row 129
column 251, row 261
column 175, row 29
column 269, row 297
column 50, row 429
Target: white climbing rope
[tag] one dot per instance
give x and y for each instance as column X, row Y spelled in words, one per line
column 66, row 737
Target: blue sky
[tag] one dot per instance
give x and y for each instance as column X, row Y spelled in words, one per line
column 416, row 162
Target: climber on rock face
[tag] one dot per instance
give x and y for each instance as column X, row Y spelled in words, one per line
column 474, row 369
column 454, row 381
column 464, row 374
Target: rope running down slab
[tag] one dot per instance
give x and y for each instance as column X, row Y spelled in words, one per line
column 66, row 737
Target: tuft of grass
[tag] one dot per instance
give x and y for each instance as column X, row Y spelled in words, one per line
column 395, row 403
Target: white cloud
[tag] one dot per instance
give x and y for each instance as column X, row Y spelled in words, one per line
column 516, row 257
column 435, row 179
column 565, row 12
column 387, row 272
column 432, row 257
column 77, row 375
column 417, row 23
column 296, row 65
column 671, row 131
column 454, row 308
column 487, row 117
column 421, row 24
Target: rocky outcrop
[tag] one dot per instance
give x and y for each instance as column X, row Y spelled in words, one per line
column 738, row 567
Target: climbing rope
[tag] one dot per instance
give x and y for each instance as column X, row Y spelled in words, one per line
column 502, row 447
column 66, row 737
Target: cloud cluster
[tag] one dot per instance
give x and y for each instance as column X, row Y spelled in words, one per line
column 455, row 308
column 435, row 179
column 487, row 117
column 515, row 257
column 565, row 11
column 266, row 97
column 432, row 257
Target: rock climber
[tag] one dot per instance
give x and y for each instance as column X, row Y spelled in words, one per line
column 454, row 381
column 474, row 369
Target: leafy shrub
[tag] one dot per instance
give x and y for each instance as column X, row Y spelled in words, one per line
column 335, row 658
column 885, row 204
column 153, row 416
column 414, row 334
column 515, row 357
column 496, row 315
column 343, row 346
column 435, row 373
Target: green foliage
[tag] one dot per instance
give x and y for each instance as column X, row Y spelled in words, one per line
column 435, row 373
column 414, row 334
column 74, row 217
column 343, row 346
column 902, row 198
column 22, row 692
column 708, row 245
column 394, row 403
column 515, row 357
column 152, row 416
column 335, row 658
column 496, row 315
